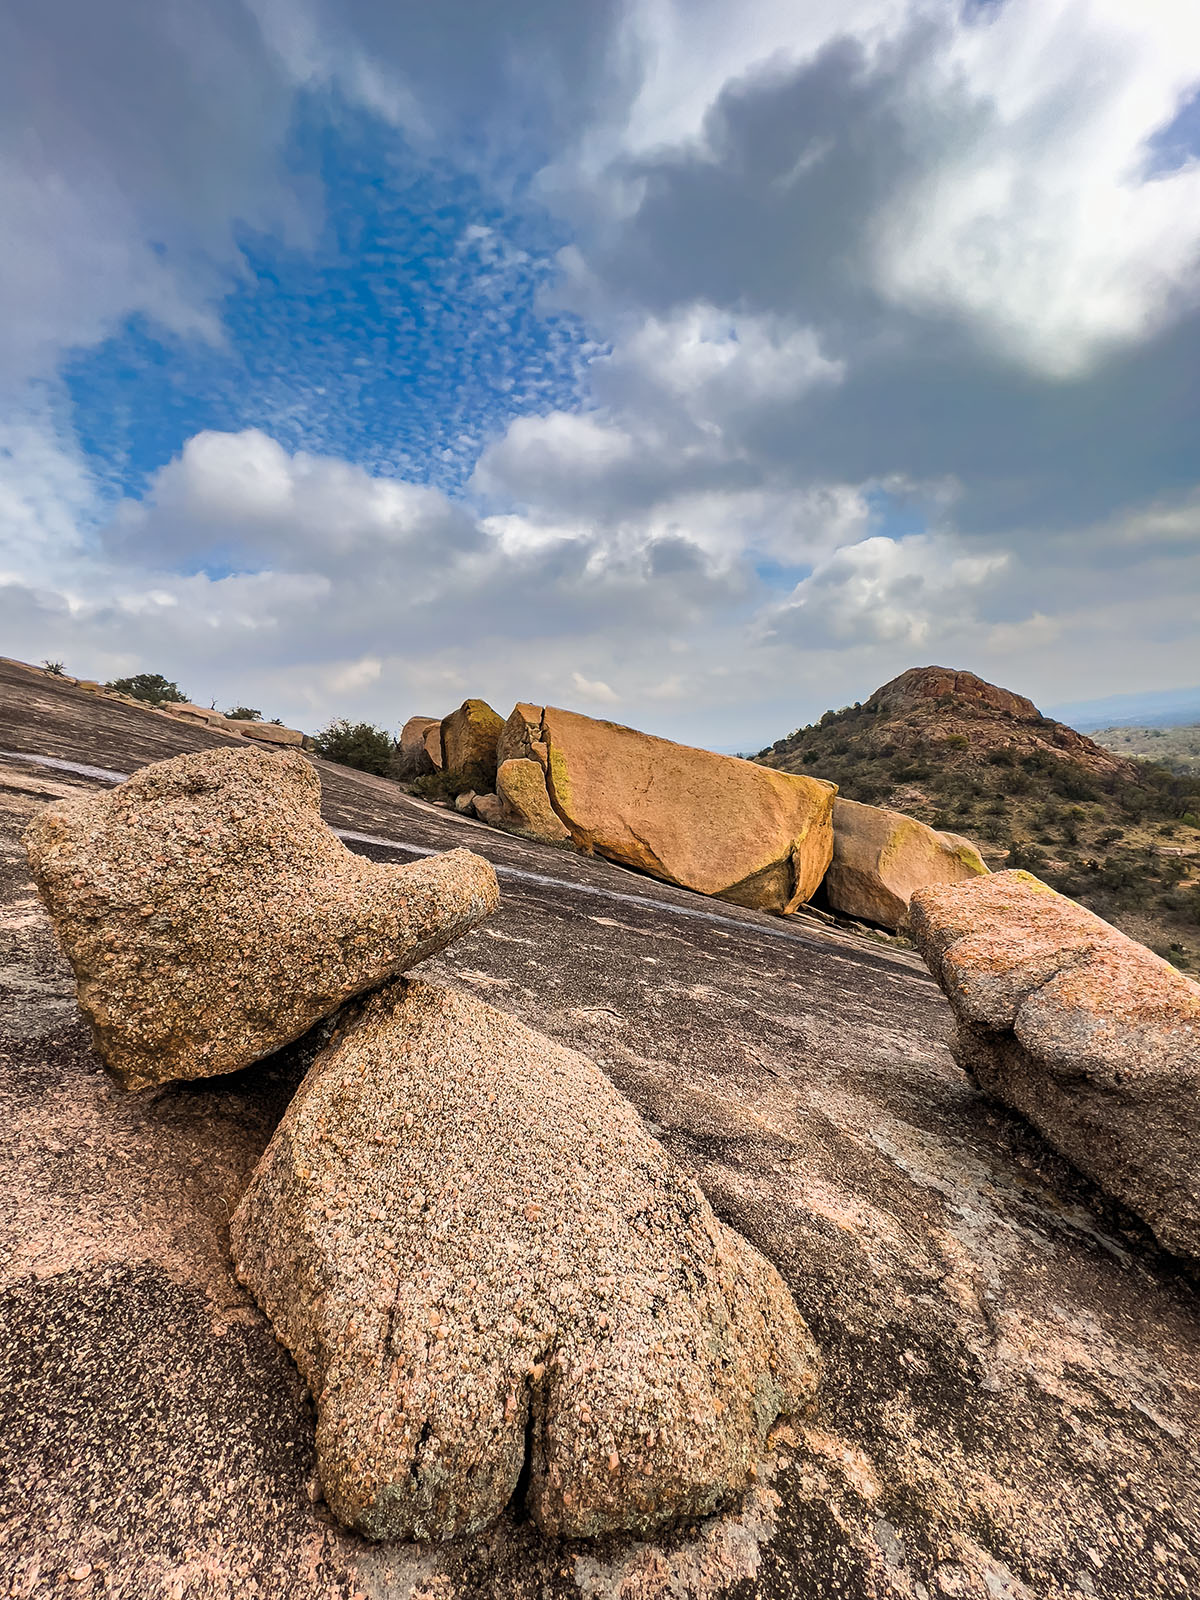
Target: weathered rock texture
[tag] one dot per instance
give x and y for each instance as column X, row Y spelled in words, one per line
column 485, row 1267
column 1089, row 1035
column 521, row 736
column 211, row 916
column 270, row 733
column 707, row 822
column 525, row 802
column 469, row 737
column 412, row 759
column 880, row 858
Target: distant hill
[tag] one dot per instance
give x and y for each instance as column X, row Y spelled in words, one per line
column 1153, row 708
column 1175, row 747
column 1120, row 834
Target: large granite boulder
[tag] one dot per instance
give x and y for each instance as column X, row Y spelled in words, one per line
column 880, row 858
column 707, row 822
column 412, row 758
column 1091, row 1036
column 211, row 916
column 469, row 738
column 496, row 1282
column 525, row 803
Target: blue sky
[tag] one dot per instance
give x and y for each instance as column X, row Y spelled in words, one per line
column 403, row 336
column 694, row 367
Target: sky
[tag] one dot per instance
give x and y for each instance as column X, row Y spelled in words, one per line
column 691, row 365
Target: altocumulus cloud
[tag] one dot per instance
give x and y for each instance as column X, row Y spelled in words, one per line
column 699, row 373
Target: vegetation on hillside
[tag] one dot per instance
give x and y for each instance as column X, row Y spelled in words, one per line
column 151, row 687
column 356, row 744
column 1176, row 748
column 244, row 714
column 1122, row 837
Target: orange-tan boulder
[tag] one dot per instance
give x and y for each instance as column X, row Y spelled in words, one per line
column 270, row 733
column 521, row 736
column 525, row 802
column 211, row 916
column 880, row 858
column 469, row 738
column 707, row 822
column 1089, row 1035
column 496, row 1283
column 413, row 758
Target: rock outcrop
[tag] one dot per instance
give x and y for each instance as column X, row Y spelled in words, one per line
column 880, row 858
column 270, row 733
column 413, row 758
column 521, row 736
column 211, row 916
column 493, row 1278
column 1090, row 1036
column 707, row 822
column 469, row 738
column 525, row 802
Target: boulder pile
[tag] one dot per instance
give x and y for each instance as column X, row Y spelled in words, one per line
column 712, row 823
column 494, row 1280
column 1089, row 1035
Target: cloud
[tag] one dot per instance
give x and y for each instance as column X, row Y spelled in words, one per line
column 891, row 339
column 894, row 591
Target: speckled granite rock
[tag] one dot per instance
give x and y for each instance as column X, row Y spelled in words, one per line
column 483, row 1263
column 1091, row 1036
column 881, row 857
column 525, row 802
column 469, row 738
column 211, row 916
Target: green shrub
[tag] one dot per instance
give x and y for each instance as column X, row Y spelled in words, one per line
column 244, row 714
column 53, row 669
column 356, row 744
column 151, row 687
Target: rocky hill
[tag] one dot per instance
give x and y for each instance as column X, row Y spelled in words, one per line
column 1120, row 835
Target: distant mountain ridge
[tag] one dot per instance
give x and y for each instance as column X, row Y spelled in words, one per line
column 1158, row 708
column 945, row 746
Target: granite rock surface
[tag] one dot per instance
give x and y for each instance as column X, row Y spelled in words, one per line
column 211, row 916
column 881, row 858
column 1091, row 1036
column 495, row 1282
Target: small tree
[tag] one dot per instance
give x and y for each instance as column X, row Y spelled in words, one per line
column 244, row 714
column 53, row 669
column 151, row 687
column 356, row 744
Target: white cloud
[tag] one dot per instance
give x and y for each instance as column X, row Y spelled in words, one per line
column 1040, row 222
column 895, row 591
column 594, row 689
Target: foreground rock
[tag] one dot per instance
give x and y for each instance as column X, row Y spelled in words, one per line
column 880, row 858
column 1089, row 1035
column 485, row 1267
column 413, row 758
column 708, row 822
column 469, row 736
column 211, row 916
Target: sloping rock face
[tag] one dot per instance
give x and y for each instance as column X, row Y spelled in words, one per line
column 412, row 759
column 469, row 737
column 880, row 859
column 212, row 917
column 707, row 822
column 487, row 1271
column 525, row 802
column 1089, row 1035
